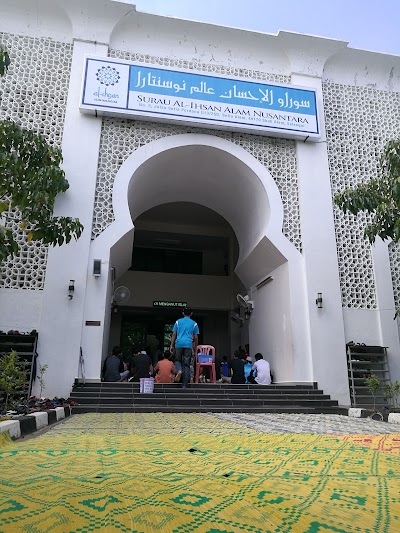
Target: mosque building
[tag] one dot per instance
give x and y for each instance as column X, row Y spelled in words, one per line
column 202, row 161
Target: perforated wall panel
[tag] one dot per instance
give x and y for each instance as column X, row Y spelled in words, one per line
column 121, row 137
column 33, row 94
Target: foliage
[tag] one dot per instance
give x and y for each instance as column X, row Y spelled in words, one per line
column 30, row 175
column 30, row 180
column 391, row 392
column 4, row 60
column 42, row 383
column 373, row 385
column 379, row 197
column 12, row 378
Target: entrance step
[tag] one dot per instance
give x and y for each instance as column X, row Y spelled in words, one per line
column 202, row 398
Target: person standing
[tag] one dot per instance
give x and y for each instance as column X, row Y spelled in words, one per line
column 184, row 341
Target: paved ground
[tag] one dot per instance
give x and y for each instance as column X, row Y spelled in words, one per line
column 322, row 424
column 195, row 473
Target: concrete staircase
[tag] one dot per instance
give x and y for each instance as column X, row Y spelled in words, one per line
column 198, row 398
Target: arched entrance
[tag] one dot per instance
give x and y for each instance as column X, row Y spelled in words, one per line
column 223, row 177
column 182, row 253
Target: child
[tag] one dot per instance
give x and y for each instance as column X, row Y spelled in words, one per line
column 224, row 367
column 248, row 365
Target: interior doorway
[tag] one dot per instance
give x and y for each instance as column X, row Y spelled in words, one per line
column 183, row 253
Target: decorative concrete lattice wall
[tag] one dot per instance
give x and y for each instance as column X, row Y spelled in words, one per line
column 33, row 94
column 122, row 137
column 394, row 256
column 359, row 120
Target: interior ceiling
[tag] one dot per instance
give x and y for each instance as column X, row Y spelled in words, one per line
column 182, row 213
column 207, row 176
column 181, row 241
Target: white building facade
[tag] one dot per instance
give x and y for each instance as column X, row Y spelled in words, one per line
column 255, row 204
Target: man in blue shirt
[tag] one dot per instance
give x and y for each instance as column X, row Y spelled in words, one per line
column 184, row 341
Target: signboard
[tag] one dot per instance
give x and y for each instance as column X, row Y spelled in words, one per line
column 92, row 323
column 115, row 87
column 160, row 303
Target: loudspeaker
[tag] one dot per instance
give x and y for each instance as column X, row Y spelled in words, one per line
column 97, row 268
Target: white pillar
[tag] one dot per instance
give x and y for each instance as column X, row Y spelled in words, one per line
column 61, row 320
column 321, row 263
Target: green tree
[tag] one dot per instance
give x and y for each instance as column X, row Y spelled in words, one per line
column 12, row 379
column 30, row 180
column 42, row 383
column 380, row 197
column 373, row 385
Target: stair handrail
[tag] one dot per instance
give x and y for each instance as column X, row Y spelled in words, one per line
column 82, row 366
column 35, row 356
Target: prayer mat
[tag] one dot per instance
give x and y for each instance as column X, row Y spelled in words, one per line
column 184, row 473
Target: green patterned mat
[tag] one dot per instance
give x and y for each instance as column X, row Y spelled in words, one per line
column 186, row 473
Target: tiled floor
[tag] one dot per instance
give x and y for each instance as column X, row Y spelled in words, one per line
column 298, row 423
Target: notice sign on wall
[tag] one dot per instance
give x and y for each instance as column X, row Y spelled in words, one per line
column 161, row 303
column 114, row 87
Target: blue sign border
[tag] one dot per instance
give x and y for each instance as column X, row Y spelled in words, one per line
column 199, row 121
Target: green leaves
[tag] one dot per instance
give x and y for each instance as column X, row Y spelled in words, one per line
column 12, row 378
column 379, row 197
column 31, row 177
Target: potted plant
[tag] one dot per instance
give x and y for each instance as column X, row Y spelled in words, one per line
column 391, row 392
column 373, row 385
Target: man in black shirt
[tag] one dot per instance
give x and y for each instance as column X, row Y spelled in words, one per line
column 113, row 368
column 142, row 366
column 236, row 367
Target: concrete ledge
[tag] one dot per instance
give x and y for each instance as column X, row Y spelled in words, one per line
column 355, row 413
column 394, row 418
column 12, row 426
column 27, row 424
column 42, row 419
column 24, row 425
column 60, row 412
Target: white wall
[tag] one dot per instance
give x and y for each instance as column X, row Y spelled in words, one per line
column 206, row 43
column 20, row 310
column 42, row 18
column 271, row 325
column 61, row 322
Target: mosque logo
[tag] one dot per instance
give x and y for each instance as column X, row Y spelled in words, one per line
column 107, row 76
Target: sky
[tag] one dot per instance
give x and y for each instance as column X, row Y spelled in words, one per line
column 366, row 24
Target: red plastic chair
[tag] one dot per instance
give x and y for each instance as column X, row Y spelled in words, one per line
column 205, row 350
